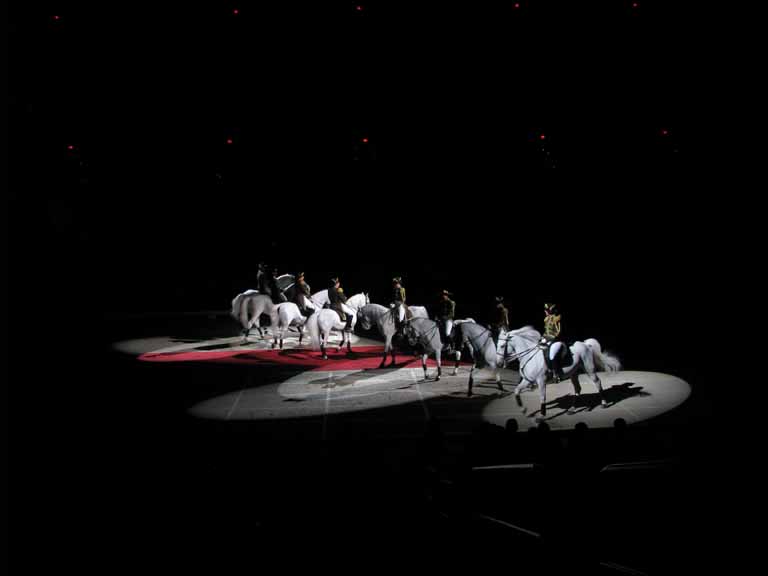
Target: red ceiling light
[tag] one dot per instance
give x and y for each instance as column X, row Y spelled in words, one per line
column 517, row 5
column 365, row 140
column 235, row 11
column 542, row 137
column 70, row 147
column 57, row 17
column 229, row 140
column 664, row 132
column 359, row 8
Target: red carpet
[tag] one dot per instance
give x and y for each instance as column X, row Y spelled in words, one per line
column 362, row 357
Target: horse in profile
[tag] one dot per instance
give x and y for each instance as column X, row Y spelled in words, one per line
column 384, row 319
column 581, row 358
column 425, row 334
column 485, row 353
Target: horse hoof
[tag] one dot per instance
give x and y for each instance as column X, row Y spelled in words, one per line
column 338, row 350
column 437, row 379
column 603, row 405
column 571, row 410
column 325, row 357
column 454, row 373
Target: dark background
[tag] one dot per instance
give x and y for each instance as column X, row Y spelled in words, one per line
column 151, row 210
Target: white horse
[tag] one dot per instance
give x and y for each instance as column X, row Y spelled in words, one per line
column 247, row 309
column 585, row 357
column 484, row 353
column 324, row 320
column 288, row 314
column 425, row 333
column 384, row 318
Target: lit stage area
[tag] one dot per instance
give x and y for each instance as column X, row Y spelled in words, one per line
column 300, row 442
column 296, row 383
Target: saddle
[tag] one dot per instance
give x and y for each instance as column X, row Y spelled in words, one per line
column 565, row 357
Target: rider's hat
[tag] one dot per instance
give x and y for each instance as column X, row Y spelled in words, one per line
column 334, row 280
column 446, row 293
column 300, row 275
column 397, row 280
column 549, row 307
column 499, row 299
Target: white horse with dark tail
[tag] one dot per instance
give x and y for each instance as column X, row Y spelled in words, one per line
column 581, row 358
column 288, row 315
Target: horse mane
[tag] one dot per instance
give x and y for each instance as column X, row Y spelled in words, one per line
column 526, row 333
column 376, row 307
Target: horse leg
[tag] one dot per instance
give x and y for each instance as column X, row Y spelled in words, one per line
column 424, row 364
column 301, row 335
column 599, row 386
column 439, row 368
column 456, row 366
column 542, row 382
column 387, row 345
column 471, row 380
column 498, row 378
column 323, row 338
column 518, row 389
column 576, row 391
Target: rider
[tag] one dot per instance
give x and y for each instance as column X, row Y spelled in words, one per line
column 262, row 278
column 445, row 312
column 551, row 335
column 301, row 295
column 500, row 319
column 274, row 290
column 338, row 302
column 398, row 299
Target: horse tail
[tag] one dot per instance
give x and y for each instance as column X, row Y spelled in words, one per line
column 313, row 328
column 236, row 306
column 605, row 360
column 242, row 314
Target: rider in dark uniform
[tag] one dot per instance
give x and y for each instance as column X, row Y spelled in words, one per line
column 336, row 298
column 398, row 298
column 262, row 279
column 274, row 290
column 500, row 319
column 301, row 295
column 446, row 309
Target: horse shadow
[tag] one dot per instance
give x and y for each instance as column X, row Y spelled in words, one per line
column 587, row 402
column 223, row 346
column 355, row 378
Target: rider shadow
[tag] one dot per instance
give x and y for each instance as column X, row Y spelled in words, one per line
column 589, row 401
